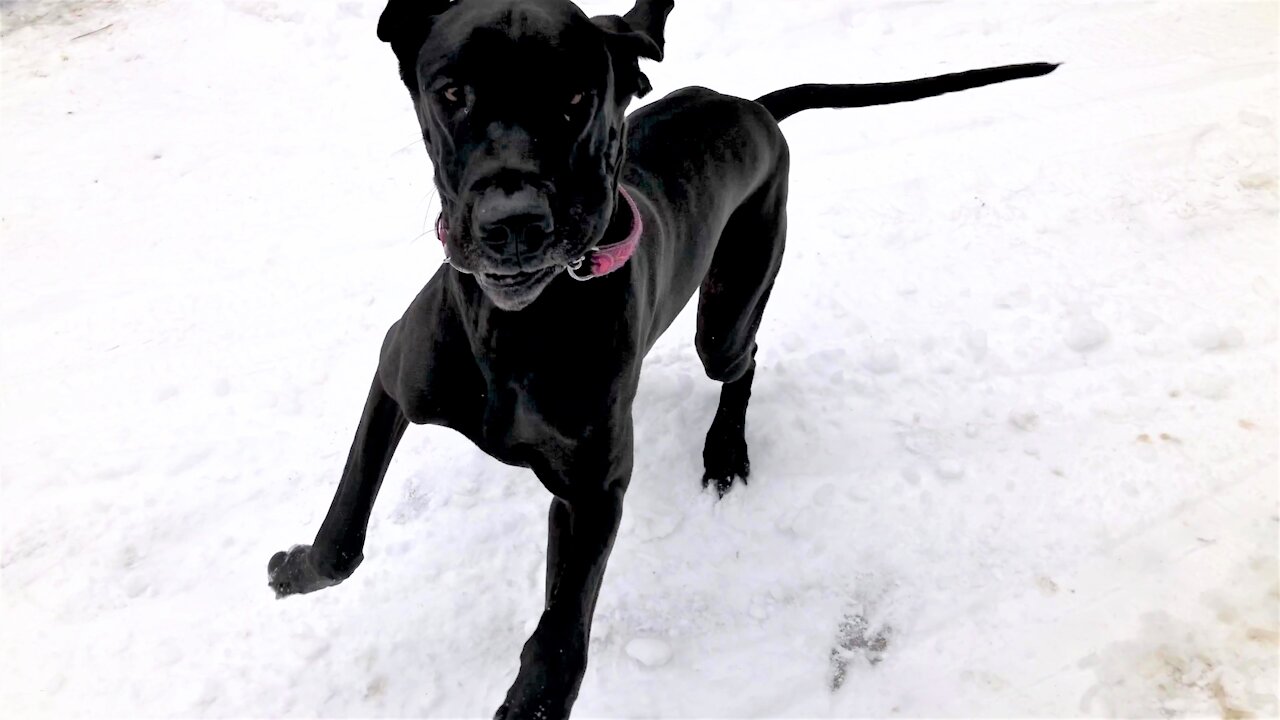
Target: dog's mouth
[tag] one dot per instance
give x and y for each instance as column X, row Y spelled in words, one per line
column 516, row 280
column 515, row 290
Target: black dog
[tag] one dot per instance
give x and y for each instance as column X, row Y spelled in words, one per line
column 543, row 182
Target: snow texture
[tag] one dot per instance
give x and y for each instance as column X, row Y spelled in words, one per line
column 1013, row 435
column 651, row 652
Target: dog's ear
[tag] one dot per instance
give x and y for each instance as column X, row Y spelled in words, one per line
column 649, row 20
column 405, row 25
column 638, row 34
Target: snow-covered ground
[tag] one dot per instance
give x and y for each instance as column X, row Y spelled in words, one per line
column 1014, row 435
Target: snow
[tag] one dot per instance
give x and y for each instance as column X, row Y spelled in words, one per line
column 1013, row 435
column 650, row 652
column 1085, row 333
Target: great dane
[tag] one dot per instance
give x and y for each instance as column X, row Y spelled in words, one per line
column 574, row 235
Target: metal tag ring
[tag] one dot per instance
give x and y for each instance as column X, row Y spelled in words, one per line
column 574, row 267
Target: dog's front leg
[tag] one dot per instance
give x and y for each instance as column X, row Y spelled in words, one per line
column 582, row 526
column 339, row 544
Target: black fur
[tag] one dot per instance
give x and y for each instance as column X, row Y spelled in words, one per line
column 522, row 104
column 784, row 103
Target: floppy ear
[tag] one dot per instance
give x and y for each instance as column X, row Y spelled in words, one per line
column 405, row 24
column 649, row 19
column 638, row 34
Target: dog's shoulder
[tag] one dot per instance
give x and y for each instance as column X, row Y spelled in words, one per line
column 425, row 363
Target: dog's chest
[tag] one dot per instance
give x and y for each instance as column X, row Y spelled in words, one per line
column 541, row 406
column 556, row 377
column 515, row 423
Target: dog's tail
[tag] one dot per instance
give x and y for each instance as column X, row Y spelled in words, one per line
column 784, row 103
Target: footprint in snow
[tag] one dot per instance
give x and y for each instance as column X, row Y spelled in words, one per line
column 856, row 642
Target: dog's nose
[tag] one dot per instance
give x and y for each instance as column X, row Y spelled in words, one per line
column 518, row 222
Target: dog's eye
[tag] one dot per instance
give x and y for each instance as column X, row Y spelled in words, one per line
column 575, row 102
column 452, row 95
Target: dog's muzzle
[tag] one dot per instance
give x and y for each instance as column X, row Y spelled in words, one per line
column 527, row 224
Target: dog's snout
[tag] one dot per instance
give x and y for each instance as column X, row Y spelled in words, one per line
column 524, row 232
column 518, row 222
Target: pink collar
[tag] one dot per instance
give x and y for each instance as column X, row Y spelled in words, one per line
column 600, row 260
column 605, row 259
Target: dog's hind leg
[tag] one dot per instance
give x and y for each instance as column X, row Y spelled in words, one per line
column 339, row 544
column 731, row 304
column 725, row 454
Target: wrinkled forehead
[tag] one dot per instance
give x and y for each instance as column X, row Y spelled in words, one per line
column 515, row 41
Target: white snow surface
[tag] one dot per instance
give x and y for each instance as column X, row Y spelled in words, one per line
column 1013, row 435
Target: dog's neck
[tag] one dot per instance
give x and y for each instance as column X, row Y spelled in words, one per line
column 623, row 221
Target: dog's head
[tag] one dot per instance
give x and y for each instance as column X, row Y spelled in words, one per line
column 521, row 104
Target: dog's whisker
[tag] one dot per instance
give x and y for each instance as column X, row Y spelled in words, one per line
column 397, row 151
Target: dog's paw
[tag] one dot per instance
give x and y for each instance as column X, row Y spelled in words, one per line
column 552, row 664
column 722, row 484
column 510, row 712
column 725, row 459
column 294, row 573
column 534, row 700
